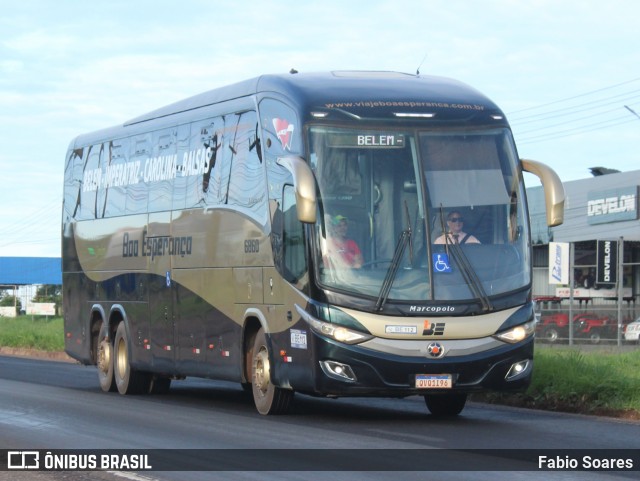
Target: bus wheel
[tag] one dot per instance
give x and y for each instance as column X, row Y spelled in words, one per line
column 128, row 380
column 442, row 405
column 105, row 361
column 269, row 399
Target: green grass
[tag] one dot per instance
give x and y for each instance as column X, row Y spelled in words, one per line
column 32, row 333
column 588, row 382
column 593, row 381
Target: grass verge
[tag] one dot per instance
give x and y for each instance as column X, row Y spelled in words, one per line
column 587, row 382
column 46, row 334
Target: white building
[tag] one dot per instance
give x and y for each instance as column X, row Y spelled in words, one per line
column 600, row 208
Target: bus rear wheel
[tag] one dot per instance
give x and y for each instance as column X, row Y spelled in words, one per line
column 269, row 399
column 128, row 380
column 445, row 405
column 104, row 361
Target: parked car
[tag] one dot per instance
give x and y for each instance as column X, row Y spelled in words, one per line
column 555, row 327
column 632, row 331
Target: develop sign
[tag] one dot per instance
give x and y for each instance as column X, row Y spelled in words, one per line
column 607, row 267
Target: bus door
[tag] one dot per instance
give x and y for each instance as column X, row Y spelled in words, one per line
column 162, row 293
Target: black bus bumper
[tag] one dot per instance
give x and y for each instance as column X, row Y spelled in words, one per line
column 330, row 368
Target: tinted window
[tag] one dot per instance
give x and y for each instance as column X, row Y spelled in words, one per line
column 247, row 183
column 159, row 171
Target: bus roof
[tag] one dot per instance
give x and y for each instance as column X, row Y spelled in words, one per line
column 362, row 94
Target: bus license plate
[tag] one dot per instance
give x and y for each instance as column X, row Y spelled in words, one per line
column 434, row 381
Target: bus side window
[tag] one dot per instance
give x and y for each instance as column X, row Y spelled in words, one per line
column 295, row 262
column 73, row 180
column 247, row 183
column 94, row 159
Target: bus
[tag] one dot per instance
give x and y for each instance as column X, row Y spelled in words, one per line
column 282, row 233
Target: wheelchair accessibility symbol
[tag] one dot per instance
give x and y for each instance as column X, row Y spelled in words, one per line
column 441, row 263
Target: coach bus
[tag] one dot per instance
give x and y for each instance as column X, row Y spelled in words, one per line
column 296, row 233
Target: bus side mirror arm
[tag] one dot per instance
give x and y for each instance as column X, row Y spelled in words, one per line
column 304, row 185
column 553, row 190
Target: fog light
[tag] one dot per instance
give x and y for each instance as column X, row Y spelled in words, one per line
column 518, row 369
column 338, row 370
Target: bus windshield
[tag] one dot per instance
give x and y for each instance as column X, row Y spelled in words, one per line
column 410, row 215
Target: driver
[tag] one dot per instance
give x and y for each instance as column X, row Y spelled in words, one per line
column 455, row 223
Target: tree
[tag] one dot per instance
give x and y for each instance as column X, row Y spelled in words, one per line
column 49, row 293
column 9, row 300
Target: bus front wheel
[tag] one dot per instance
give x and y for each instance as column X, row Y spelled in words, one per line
column 269, row 399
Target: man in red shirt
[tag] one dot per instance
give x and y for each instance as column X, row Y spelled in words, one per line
column 343, row 251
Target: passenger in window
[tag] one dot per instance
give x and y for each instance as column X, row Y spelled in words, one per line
column 343, row 252
column 455, row 234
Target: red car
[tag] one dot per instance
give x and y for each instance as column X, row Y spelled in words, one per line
column 555, row 327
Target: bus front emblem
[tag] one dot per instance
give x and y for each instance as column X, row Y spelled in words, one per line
column 435, row 349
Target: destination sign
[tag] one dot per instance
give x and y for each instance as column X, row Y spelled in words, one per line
column 368, row 140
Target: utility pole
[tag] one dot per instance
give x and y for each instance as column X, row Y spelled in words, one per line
column 632, row 111
column 620, row 286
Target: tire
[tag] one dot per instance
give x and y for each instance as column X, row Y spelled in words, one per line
column 595, row 336
column 269, row 399
column 104, row 361
column 551, row 334
column 127, row 379
column 445, row 405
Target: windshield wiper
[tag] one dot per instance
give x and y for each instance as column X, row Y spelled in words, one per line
column 470, row 276
column 404, row 239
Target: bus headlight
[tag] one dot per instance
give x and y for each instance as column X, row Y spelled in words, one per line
column 334, row 331
column 517, row 333
column 339, row 333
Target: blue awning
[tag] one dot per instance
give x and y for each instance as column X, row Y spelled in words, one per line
column 19, row 271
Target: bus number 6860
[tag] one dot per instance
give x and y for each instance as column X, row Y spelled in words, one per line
column 251, row 246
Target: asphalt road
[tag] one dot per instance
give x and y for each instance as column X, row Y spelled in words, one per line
column 48, row 405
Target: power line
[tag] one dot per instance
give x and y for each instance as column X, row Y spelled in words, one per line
column 574, row 131
column 576, row 96
column 585, row 117
column 584, row 107
column 552, row 124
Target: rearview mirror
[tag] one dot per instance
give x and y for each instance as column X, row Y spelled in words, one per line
column 304, row 185
column 553, row 190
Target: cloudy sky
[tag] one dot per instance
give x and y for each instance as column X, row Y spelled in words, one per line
column 566, row 73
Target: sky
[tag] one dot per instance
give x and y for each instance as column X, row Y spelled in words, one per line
column 566, row 73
